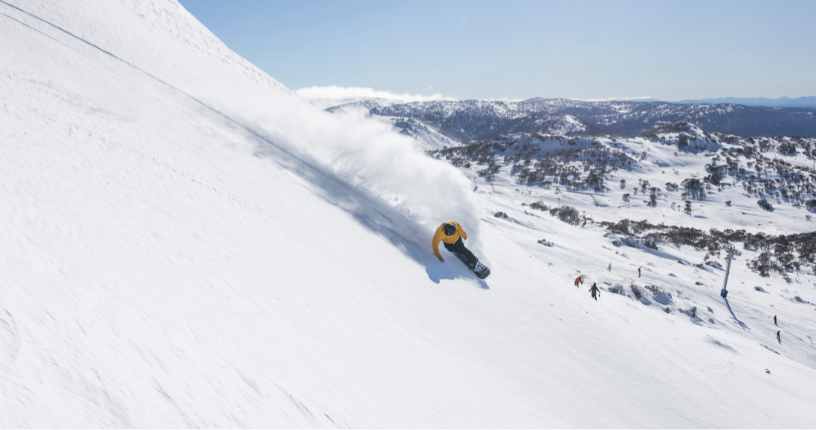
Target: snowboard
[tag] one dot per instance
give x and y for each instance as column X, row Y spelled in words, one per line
column 481, row 271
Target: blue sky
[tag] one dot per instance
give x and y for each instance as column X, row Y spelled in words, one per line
column 522, row 49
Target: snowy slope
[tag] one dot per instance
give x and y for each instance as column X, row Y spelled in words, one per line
column 185, row 242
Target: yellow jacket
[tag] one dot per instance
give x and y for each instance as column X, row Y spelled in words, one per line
column 440, row 236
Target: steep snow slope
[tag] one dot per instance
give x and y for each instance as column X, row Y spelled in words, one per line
column 184, row 242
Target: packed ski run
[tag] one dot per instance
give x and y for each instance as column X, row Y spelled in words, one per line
column 187, row 243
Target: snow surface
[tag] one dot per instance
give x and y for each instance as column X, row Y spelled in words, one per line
column 185, row 242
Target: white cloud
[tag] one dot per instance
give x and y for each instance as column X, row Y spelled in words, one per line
column 334, row 92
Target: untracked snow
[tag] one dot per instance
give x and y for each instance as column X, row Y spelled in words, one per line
column 186, row 242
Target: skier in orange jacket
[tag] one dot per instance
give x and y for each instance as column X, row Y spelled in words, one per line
column 579, row 280
column 451, row 234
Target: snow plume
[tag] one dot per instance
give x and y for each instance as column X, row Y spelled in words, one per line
column 334, row 92
column 392, row 180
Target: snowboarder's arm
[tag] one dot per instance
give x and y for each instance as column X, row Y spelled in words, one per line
column 435, row 244
column 461, row 231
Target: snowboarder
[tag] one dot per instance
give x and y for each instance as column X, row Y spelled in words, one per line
column 610, row 267
column 779, row 336
column 594, row 290
column 451, row 234
column 775, row 321
column 579, row 280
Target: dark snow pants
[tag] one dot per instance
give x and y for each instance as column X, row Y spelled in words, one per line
column 459, row 248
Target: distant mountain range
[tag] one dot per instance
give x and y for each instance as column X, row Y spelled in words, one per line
column 469, row 120
column 801, row 102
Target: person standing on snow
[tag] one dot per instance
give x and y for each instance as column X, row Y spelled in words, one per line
column 779, row 336
column 594, row 290
column 579, row 280
column 610, row 267
column 638, row 272
column 775, row 321
column 451, row 234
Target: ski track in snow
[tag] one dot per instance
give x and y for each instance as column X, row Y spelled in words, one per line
column 182, row 245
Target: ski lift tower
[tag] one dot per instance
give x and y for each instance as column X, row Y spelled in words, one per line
column 724, row 291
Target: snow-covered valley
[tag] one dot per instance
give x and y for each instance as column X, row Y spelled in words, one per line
column 184, row 242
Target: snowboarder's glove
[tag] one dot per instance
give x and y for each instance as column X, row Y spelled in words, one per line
column 440, row 258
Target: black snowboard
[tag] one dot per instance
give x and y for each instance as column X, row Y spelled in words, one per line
column 480, row 270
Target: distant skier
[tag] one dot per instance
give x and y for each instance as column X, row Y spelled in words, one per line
column 594, row 290
column 579, row 280
column 638, row 272
column 779, row 336
column 775, row 321
column 451, row 234
column 610, row 267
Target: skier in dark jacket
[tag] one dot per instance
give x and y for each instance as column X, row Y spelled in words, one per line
column 775, row 321
column 594, row 290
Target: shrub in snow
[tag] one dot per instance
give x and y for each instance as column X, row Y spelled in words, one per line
column 728, row 202
column 659, row 295
column 759, row 289
column 568, row 214
column 694, row 188
column 540, row 206
column 682, row 141
column 546, row 242
column 500, row 215
column 636, row 291
column 714, row 264
column 811, row 205
column 787, row 148
column 765, row 205
column 650, row 240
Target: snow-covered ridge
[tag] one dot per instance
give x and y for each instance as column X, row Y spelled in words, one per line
column 480, row 120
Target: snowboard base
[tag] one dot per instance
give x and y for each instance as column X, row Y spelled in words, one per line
column 481, row 271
